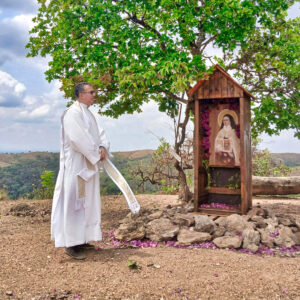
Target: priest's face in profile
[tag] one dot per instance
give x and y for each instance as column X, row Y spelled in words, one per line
column 87, row 96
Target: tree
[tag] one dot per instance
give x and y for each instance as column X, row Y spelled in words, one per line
column 264, row 165
column 134, row 51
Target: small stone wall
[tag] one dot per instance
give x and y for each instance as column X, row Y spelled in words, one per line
column 258, row 229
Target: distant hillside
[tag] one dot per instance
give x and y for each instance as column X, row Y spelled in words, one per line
column 288, row 159
column 135, row 154
column 20, row 173
column 6, row 159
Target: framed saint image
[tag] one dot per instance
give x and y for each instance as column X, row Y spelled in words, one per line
column 225, row 142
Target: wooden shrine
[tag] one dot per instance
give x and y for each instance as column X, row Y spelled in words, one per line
column 222, row 145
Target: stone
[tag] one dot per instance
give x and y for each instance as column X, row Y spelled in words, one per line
column 180, row 210
column 139, row 217
column 297, row 222
column 189, row 207
column 257, row 211
column 130, row 231
column 265, row 238
column 220, row 221
column 161, row 230
column 271, row 222
column 285, row 237
column 246, row 217
column 155, row 215
column 297, row 238
column 171, row 211
column 259, row 222
column 284, row 220
column 257, row 219
column 230, row 233
column 219, row 231
column 294, row 229
column 251, row 239
column 251, row 247
column 236, row 224
column 204, row 224
column 188, row 236
column 184, row 220
column 228, row 242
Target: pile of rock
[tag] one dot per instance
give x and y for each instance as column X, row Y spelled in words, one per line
column 259, row 228
column 25, row 210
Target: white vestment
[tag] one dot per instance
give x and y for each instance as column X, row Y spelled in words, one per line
column 76, row 208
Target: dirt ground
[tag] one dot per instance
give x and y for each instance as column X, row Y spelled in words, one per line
column 31, row 268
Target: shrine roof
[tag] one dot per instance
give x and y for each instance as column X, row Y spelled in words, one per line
column 207, row 77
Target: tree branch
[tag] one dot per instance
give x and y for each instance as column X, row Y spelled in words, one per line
column 141, row 22
column 173, row 96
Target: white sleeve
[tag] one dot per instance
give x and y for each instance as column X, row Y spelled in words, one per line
column 104, row 142
column 79, row 137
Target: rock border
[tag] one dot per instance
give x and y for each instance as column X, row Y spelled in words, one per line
column 255, row 232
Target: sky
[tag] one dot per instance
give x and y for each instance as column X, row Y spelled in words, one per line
column 30, row 107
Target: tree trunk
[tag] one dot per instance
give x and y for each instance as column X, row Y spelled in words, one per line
column 275, row 185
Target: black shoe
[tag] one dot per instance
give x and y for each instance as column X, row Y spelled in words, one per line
column 86, row 246
column 75, row 252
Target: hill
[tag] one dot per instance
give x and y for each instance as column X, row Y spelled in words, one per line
column 7, row 159
column 20, row 173
column 288, row 159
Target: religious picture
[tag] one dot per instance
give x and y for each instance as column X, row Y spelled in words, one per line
column 227, row 144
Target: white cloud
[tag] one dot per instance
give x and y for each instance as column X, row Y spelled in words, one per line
column 285, row 142
column 137, row 131
column 44, row 108
column 14, row 36
column 11, row 91
column 19, row 5
column 37, row 113
column 35, row 125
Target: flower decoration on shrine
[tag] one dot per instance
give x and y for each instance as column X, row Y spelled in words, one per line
column 206, row 129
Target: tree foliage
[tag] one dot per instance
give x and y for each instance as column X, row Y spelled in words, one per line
column 263, row 164
column 137, row 50
column 46, row 188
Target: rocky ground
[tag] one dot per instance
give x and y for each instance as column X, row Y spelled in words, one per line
column 31, row 268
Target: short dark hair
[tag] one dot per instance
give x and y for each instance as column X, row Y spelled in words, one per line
column 79, row 88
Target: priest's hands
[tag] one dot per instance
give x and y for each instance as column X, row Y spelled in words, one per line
column 103, row 153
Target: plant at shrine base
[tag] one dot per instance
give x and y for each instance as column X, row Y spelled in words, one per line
column 135, row 51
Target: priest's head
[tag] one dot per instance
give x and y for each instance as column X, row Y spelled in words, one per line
column 85, row 93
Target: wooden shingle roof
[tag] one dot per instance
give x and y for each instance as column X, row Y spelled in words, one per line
column 219, row 84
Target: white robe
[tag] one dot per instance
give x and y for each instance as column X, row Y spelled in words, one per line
column 76, row 208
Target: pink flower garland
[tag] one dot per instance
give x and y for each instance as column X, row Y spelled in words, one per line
column 206, row 131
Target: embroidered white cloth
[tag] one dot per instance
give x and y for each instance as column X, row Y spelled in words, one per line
column 122, row 184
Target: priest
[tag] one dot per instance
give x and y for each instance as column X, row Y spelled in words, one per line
column 76, row 208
